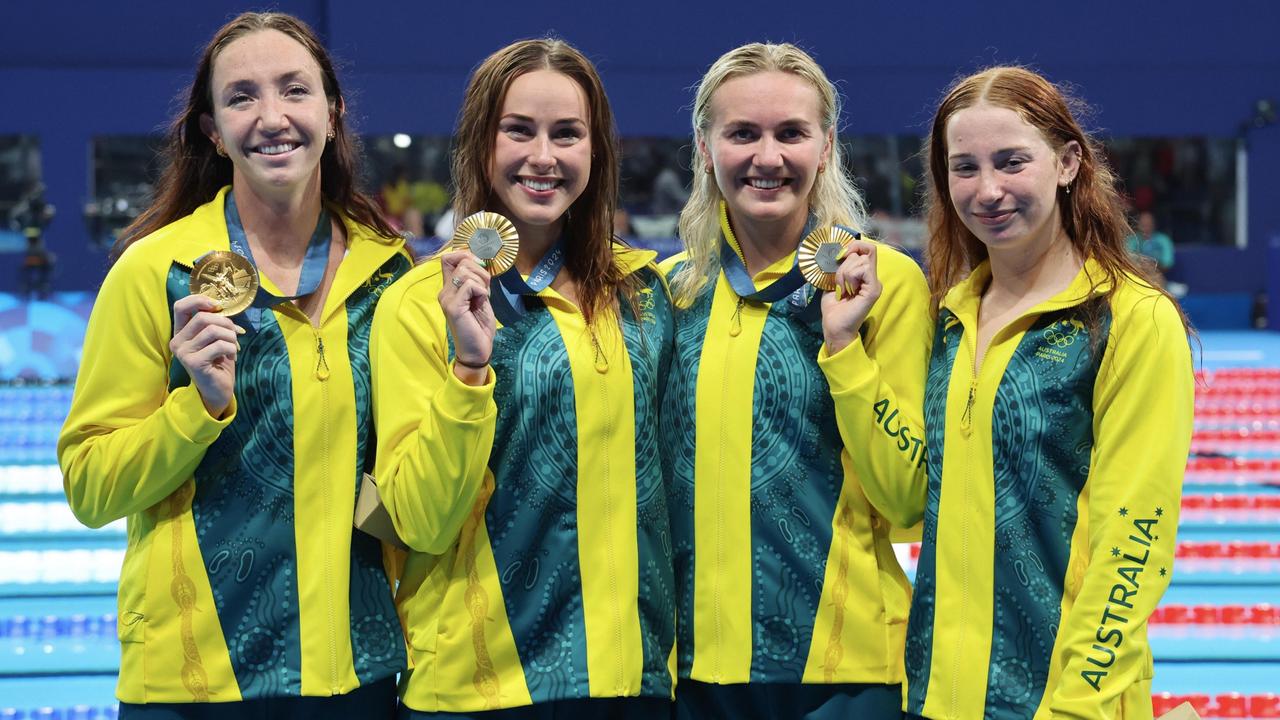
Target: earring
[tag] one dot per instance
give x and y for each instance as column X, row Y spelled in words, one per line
column 822, row 168
column 222, row 152
column 332, row 134
column 1068, row 188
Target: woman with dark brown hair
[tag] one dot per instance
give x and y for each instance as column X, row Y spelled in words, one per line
column 517, row 422
column 1058, row 413
column 232, row 430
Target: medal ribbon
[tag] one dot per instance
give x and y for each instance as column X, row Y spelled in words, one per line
column 313, row 263
column 507, row 291
column 735, row 271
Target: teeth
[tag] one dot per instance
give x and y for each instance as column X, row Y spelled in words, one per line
column 276, row 149
column 764, row 184
column 538, row 185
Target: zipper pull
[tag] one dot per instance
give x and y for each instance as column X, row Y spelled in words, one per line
column 602, row 361
column 322, row 365
column 967, row 418
column 735, row 325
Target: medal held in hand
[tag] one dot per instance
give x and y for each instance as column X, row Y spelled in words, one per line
column 491, row 238
column 819, row 256
column 227, row 278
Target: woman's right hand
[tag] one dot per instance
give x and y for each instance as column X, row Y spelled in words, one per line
column 464, row 297
column 207, row 345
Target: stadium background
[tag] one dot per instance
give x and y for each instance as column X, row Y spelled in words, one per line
column 85, row 87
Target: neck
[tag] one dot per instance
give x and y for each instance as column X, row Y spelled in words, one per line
column 765, row 242
column 1038, row 269
column 535, row 241
column 279, row 225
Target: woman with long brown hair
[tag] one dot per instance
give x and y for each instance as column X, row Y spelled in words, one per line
column 230, row 424
column 1058, row 412
column 517, row 422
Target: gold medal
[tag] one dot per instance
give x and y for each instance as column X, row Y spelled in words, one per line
column 819, row 256
column 226, row 277
column 491, row 238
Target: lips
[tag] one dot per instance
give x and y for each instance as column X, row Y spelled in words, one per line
column 277, row 148
column 766, row 183
column 994, row 218
column 539, row 184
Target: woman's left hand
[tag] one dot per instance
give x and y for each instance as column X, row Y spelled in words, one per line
column 857, row 289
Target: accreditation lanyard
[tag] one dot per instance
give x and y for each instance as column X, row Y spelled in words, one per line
column 313, row 263
column 507, row 291
column 735, row 272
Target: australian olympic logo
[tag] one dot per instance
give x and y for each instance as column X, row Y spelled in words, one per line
column 1063, row 333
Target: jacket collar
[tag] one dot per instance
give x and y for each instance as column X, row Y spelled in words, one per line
column 366, row 250
column 964, row 298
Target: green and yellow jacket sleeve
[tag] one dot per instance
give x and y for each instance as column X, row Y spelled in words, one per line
column 877, row 385
column 1143, row 408
column 435, row 432
column 127, row 442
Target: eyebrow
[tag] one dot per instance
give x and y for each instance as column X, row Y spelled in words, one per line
column 290, row 76
column 526, row 118
column 784, row 123
column 1001, row 151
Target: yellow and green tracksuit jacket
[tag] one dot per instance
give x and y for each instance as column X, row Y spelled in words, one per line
column 534, row 505
column 1054, row 482
column 242, row 578
column 788, row 467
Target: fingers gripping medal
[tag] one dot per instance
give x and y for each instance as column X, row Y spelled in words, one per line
column 227, row 278
column 491, row 238
column 819, row 256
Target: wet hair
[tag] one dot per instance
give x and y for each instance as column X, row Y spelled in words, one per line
column 194, row 172
column 833, row 200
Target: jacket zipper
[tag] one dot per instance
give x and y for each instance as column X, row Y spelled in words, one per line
column 322, row 374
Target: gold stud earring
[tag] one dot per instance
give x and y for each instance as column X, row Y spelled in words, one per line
column 822, row 168
column 222, row 152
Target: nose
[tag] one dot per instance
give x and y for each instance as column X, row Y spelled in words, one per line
column 540, row 155
column 272, row 115
column 990, row 191
column 769, row 154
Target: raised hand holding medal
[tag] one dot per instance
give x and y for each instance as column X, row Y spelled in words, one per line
column 483, row 246
column 842, row 264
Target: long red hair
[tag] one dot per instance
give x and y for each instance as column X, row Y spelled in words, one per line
column 1093, row 212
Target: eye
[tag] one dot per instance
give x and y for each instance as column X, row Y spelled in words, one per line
column 297, row 91
column 567, row 135
column 516, row 131
column 963, row 169
column 741, row 134
column 238, row 98
column 792, row 134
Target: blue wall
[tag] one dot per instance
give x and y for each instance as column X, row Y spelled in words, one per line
column 71, row 70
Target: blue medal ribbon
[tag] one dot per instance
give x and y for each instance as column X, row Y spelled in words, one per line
column 735, row 271
column 313, row 263
column 508, row 290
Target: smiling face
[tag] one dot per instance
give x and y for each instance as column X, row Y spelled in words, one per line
column 541, row 156
column 270, row 113
column 1004, row 177
column 765, row 145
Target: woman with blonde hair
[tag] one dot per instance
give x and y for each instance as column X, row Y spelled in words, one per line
column 517, row 422
column 792, row 417
column 1059, row 414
